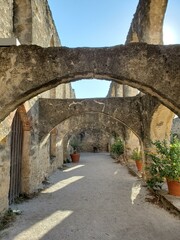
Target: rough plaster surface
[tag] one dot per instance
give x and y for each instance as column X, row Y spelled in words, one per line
column 97, row 199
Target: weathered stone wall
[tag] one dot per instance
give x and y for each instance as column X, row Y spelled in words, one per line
column 161, row 123
column 6, row 19
column 43, row 28
column 176, row 127
column 95, row 138
column 31, row 22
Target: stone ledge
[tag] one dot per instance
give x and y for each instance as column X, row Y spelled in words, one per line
column 170, row 203
column 4, row 42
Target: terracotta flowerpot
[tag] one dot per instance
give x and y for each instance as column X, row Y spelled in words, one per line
column 75, row 157
column 173, row 187
column 139, row 165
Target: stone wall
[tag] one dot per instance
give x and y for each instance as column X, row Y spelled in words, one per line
column 31, row 22
column 6, row 19
column 95, row 138
column 176, row 127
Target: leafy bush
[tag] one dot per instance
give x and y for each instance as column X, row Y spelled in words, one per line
column 165, row 162
column 117, row 147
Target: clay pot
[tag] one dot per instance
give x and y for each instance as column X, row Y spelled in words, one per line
column 173, row 187
column 139, row 165
column 75, row 157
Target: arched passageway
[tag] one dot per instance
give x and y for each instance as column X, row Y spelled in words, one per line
column 129, row 111
column 28, row 70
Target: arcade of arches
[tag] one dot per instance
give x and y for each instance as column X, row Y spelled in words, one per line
column 38, row 109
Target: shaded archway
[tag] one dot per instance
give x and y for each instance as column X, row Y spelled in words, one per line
column 77, row 123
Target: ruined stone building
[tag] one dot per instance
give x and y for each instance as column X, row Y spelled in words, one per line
column 38, row 109
column 31, row 23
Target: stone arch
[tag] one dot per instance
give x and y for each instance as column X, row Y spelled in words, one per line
column 84, row 120
column 29, row 70
column 129, row 111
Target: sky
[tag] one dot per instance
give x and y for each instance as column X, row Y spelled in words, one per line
column 101, row 23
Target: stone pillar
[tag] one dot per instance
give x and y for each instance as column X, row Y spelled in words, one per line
column 129, row 91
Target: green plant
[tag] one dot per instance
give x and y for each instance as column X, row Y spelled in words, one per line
column 75, row 143
column 7, row 218
column 136, row 154
column 165, row 162
column 117, row 147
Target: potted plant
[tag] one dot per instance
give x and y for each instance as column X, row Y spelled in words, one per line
column 165, row 164
column 137, row 157
column 75, row 155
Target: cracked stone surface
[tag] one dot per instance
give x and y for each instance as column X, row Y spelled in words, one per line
column 95, row 199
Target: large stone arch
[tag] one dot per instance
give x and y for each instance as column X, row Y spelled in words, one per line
column 134, row 112
column 28, row 70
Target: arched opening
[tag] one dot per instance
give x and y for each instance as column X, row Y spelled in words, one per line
column 91, row 89
column 88, row 124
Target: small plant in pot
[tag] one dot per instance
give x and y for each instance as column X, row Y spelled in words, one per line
column 137, row 157
column 75, row 155
column 165, row 164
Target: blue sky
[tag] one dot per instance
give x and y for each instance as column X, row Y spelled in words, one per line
column 99, row 23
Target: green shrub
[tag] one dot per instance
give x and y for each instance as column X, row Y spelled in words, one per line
column 165, row 162
column 117, row 147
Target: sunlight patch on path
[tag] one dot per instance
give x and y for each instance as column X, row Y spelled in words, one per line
column 40, row 229
column 73, row 168
column 62, row 184
column 136, row 188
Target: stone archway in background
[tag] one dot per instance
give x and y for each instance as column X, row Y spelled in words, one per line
column 134, row 112
column 86, row 121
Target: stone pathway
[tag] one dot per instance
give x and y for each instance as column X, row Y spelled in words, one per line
column 95, row 199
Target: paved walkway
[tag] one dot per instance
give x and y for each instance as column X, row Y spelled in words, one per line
column 95, row 199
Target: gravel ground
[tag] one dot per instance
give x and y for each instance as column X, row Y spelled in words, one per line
column 95, row 199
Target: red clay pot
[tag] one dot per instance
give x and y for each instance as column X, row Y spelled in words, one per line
column 75, row 157
column 139, row 165
column 173, row 187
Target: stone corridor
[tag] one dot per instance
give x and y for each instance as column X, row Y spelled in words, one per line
column 95, row 199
